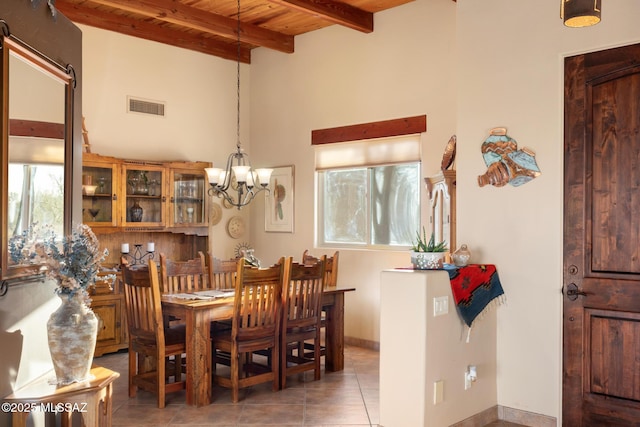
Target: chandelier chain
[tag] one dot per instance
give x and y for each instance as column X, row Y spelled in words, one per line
column 238, row 83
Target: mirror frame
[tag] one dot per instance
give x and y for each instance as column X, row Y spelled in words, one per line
column 9, row 43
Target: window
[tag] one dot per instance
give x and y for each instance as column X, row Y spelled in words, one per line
column 368, row 183
column 369, row 206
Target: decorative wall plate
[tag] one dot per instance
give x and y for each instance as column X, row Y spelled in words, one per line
column 236, row 227
column 241, row 247
column 226, row 204
column 216, row 214
column 449, row 153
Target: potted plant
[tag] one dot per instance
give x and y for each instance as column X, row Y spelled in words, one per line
column 427, row 254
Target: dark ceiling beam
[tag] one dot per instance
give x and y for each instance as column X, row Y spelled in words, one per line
column 191, row 17
column 333, row 11
column 133, row 27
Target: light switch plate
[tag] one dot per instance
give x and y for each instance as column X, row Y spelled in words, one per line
column 438, row 392
column 440, row 305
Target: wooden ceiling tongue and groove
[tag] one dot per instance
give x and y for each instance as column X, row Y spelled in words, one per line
column 210, row 26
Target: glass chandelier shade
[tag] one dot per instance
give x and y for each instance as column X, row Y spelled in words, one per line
column 238, row 177
column 580, row 13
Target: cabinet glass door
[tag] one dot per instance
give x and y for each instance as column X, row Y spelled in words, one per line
column 144, row 191
column 188, row 207
column 99, row 188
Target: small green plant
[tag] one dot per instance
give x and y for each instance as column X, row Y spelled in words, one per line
column 424, row 245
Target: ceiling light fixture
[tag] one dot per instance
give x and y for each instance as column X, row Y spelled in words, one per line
column 238, row 176
column 580, row 13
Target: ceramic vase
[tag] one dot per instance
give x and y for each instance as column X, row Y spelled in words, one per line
column 72, row 331
column 461, row 256
column 427, row 260
column 136, row 212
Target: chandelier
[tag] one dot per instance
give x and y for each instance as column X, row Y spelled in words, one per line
column 238, row 184
column 580, row 13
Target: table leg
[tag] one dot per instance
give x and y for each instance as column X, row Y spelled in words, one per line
column 334, row 339
column 198, row 358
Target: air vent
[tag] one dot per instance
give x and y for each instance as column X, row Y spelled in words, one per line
column 143, row 106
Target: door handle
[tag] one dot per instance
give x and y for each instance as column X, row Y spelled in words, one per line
column 573, row 292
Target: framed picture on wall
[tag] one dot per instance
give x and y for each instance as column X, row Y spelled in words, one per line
column 278, row 206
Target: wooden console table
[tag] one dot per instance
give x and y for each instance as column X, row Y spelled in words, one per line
column 92, row 399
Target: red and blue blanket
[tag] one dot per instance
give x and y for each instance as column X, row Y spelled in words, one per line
column 475, row 288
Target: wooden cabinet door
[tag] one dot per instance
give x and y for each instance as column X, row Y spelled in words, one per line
column 188, row 198
column 109, row 314
column 144, row 195
column 100, row 206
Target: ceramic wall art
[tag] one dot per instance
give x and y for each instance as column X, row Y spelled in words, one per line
column 506, row 164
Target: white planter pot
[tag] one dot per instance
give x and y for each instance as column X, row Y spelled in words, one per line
column 427, row 260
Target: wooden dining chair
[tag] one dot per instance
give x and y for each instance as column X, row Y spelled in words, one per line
column 222, row 273
column 255, row 326
column 151, row 344
column 330, row 280
column 183, row 276
column 301, row 301
column 331, row 266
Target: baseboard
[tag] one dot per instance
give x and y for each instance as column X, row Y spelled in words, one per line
column 359, row 342
column 504, row 413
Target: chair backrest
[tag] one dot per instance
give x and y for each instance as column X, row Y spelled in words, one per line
column 182, row 276
column 330, row 269
column 302, row 296
column 258, row 300
column 142, row 301
column 222, row 273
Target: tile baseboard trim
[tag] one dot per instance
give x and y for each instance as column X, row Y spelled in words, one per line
column 359, row 342
column 512, row 415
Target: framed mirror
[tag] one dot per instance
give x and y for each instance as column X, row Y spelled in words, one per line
column 37, row 129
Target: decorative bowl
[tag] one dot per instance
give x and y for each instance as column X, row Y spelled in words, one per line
column 89, row 190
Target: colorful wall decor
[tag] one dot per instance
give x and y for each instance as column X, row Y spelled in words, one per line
column 506, row 164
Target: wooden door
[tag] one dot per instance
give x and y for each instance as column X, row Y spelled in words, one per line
column 601, row 320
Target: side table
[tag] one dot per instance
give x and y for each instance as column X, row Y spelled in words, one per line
column 91, row 398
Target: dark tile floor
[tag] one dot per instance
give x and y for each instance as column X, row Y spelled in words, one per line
column 339, row 399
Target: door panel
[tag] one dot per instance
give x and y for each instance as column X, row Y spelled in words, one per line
column 601, row 348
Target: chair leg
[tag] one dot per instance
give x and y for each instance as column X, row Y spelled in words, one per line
column 275, row 367
column 235, row 378
column 316, row 357
column 133, row 370
column 161, row 381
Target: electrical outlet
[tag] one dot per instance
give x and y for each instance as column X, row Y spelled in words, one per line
column 470, row 376
column 440, row 306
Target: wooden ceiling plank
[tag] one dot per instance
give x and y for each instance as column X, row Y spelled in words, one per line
column 190, row 17
column 333, row 11
column 132, row 27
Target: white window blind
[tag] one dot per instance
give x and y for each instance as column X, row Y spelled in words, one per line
column 370, row 152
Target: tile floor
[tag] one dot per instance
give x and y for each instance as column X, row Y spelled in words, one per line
column 346, row 398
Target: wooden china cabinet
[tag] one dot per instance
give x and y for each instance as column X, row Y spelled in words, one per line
column 135, row 202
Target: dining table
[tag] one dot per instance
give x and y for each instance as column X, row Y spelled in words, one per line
column 198, row 313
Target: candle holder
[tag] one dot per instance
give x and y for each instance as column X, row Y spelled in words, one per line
column 138, row 257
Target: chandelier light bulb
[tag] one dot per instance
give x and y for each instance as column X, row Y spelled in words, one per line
column 264, row 175
column 241, row 172
column 213, row 174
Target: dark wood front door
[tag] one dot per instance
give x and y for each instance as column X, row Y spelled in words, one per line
column 601, row 320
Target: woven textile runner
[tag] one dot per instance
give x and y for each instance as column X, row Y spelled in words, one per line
column 476, row 288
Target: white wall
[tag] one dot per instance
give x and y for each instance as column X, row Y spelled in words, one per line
column 339, row 77
column 510, row 73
